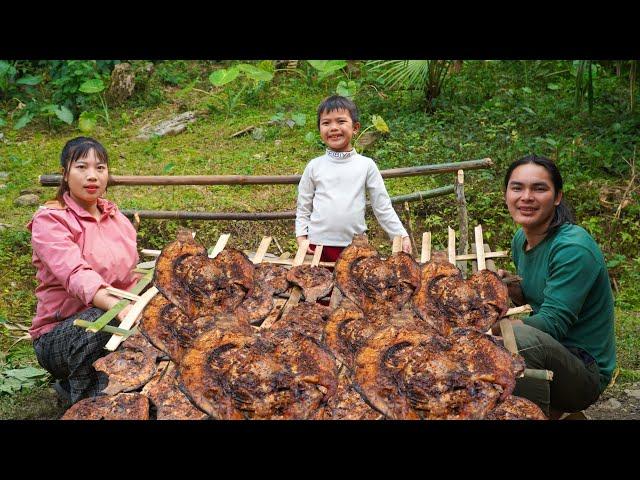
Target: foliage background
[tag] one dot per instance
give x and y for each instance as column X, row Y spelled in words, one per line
column 497, row 109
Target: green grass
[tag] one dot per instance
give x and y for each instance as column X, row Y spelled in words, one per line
column 501, row 110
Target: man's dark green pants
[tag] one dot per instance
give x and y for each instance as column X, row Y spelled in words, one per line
column 576, row 378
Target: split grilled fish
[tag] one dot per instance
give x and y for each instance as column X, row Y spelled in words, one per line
column 203, row 369
column 379, row 287
column 123, row 406
column 516, row 408
column 198, row 285
column 406, row 374
column 169, row 401
column 347, row 404
column 347, row 330
column 269, row 280
column 315, row 282
column 129, row 367
column 171, row 331
column 446, row 300
column 306, row 318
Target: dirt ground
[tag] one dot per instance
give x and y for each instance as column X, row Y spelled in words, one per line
column 619, row 402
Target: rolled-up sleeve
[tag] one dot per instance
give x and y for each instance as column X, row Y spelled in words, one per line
column 52, row 241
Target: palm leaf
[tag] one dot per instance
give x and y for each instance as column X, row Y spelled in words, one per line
column 402, row 73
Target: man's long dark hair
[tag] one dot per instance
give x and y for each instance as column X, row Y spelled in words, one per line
column 562, row 213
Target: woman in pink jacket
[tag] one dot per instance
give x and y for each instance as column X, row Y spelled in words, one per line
column 81, row 244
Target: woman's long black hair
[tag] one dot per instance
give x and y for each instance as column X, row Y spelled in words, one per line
column 562, row 213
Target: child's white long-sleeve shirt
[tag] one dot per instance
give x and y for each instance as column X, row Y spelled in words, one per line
column 331, row 200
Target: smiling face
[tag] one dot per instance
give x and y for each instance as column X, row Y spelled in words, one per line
column 87, row 178
column 337, row 129
column 531, row 197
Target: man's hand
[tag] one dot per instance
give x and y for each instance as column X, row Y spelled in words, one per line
column 495, row 329
column 514, row 288
column 406, row 245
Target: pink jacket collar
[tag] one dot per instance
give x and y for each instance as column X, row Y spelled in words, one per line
column 105, row 206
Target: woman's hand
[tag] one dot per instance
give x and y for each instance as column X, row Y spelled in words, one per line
column 105, row 301
column 123, row 313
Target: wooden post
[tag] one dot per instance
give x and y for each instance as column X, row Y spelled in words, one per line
column 414, row 246
column 482, row 265
column 463, row 247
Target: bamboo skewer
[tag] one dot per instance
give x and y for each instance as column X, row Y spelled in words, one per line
column 516, row 310
column 116, row 292
column 106, row 317
column 452, row 246
column 222, row 242
column 539, row 374
column 397, row 244
column 508, row 336
column 317, row 254
column 425, row 255
column 262, row 250
column 473, row 256
column 131, row 318
column 480, row 248
column 146, row 265
column 107, row 328
column 294, row 296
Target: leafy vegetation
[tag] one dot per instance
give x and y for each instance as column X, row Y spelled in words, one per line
column 497, row 109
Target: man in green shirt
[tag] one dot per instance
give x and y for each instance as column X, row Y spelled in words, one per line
column 566, row 283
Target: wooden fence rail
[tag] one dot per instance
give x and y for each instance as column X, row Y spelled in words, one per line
column 54, row 180
column 285, row 214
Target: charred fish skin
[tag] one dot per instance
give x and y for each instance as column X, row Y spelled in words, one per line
column 447, row 301
column 128, row 368
column 270, row 276
column 202, row 371
column 123, row 406
column 315, row 282
column 516, row 408
column 170, row 258
column 380, row 287
column 168, row 399
column 199, row 285
column 347, row 330
column 305, row 318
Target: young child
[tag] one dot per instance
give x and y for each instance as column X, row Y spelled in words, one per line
column 331, row 193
